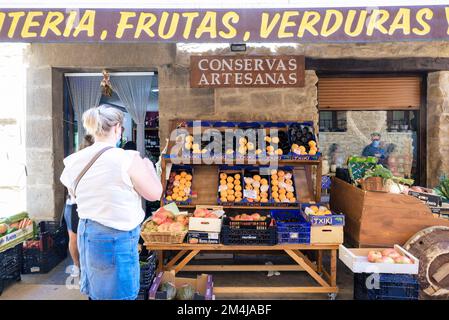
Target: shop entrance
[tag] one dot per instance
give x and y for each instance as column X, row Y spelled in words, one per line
column 82, row 90
column 353, row 109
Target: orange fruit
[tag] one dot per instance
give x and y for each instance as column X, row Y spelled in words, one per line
column 237, row 176
column 223, row 175
column 223, row 182
column 274, row 188
column 230, row 179
column 230, row 186
column 183, row 174
column 257, row 177
column 264, row 181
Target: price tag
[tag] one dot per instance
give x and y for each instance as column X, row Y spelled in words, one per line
column 250, row 194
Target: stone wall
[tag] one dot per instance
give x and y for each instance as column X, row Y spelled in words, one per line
column 360, row 125
column 48, row 62
column 437, row 126
column 12, row 129
column 179, row 101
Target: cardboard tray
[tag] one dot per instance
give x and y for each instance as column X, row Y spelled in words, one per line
column 11, row 240
column 203, row 284
column 357, row 261
column 206, row 224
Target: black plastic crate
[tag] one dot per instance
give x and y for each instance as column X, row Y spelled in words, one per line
column 147, row 270
column 36, row 261
column 385, row 286
column 230, row 236
column 47, row 250
column 143, row 293
column 10, row 266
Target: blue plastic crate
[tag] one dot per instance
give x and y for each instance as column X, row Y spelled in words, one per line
column 291, row 232
column 385, row 286
column 293, row 237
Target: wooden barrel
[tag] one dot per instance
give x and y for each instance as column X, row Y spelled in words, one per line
column 431, row 247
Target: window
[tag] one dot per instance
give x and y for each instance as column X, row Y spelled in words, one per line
column 333, row 121
column 402, row 121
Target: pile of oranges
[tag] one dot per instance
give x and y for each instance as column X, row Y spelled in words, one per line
column 230, row 188
column 301, row 150
column 179, row 186
column 260, row 187
column 282, row 188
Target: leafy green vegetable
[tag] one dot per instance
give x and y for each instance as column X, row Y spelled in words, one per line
column 443, row 188
column 382, row 172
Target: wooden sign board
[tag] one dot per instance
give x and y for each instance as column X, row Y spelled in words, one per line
column 247, row 71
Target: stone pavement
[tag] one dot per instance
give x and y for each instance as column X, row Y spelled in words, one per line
column 52, row 286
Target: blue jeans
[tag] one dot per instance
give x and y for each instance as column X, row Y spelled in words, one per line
column 109, row 261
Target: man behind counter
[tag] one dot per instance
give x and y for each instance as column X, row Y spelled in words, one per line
column 374, row 149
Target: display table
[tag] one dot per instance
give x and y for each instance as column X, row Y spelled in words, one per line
column 326, row 279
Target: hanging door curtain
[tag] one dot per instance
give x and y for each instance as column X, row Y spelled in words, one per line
column 134, row 91
column 85, row 93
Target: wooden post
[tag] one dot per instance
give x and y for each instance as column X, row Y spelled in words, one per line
column 333, row 268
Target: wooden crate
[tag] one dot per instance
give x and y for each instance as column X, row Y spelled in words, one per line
column 326, row 234
column 377, row 219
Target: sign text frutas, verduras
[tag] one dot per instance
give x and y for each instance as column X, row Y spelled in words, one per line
column 225, row 25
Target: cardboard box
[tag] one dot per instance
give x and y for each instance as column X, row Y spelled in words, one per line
column 357, row 261
column 207, row 224
column 428, row 198
column 326, row 234
column 203, row 285
column 10, row 240
column 196, row 237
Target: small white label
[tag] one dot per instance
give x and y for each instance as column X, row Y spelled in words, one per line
column 222, row 187
column 250, row 194
column 35, row 269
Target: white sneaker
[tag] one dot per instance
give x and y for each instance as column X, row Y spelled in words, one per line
column 75, row 273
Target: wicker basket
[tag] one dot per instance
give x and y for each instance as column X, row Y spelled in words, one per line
column 373, row 184
column 163, row 237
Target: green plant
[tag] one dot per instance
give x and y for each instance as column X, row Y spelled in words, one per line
column 443, row 188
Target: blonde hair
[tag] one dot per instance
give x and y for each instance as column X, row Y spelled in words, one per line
column 98, row 121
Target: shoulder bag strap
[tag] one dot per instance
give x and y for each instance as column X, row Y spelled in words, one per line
column 87, row 167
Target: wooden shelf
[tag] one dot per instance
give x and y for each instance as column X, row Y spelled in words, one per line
column 285, row 162
column 191, row 206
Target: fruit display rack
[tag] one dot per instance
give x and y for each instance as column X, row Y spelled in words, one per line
column 307, row 176
column 232, row 165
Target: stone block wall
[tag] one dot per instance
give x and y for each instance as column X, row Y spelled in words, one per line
column 437, row 126
column 179, row 101
column 48, row 62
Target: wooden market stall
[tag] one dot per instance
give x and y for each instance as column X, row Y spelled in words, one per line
column 307, row 178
